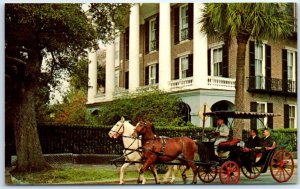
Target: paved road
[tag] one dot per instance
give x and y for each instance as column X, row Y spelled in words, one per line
column 265, row 178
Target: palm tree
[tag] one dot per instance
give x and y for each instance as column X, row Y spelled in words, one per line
column 242, row 21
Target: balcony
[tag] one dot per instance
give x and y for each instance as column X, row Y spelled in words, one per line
column 148, row 87
column 260, row 84
column 221, row 83
column 119, row 92
column 181, row 84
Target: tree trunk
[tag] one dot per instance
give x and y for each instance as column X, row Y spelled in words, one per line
column 28, row 148
column 240, row 85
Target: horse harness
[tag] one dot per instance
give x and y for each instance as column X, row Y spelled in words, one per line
column 163, row 141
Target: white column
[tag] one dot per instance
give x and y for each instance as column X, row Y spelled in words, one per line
column 92, row 85
column 110, row 71
column 134, row 48
column 164, row 46
column 200, row 50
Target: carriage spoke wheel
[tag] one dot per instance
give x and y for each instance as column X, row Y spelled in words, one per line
column 255, row 171
column 207, row 174
column 282, row 166
column 229, row 173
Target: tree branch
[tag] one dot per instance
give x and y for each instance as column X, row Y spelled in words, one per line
column 16, row 60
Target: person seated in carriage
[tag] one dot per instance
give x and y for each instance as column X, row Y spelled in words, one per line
column 267, row 142
column 261, row 150
column 254, row 140
column 221, row 133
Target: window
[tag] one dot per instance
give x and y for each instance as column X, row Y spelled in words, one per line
column 262, row 108
column 152, row 29
column 152, row 74
column 184, row 66
column 184, row 23
column 292, row 117
column 117, row 76
column 291, row 70
column 217, row 54
column 259, row 66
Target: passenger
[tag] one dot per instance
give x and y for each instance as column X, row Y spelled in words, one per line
column 222, row 133
column 254, row 140
column 267, row 141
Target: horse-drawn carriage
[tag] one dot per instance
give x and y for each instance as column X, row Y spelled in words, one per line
column 236, row 158
column 232, row 159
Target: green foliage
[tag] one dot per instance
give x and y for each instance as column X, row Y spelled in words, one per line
column 156, row 106
column 258, row 20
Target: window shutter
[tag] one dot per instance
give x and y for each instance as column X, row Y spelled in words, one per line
column 253, row 108
column 286, row 116
column 176, row 68
column 208, row 62
column 270, row 119
column 190, row 69
column 268, row 67
column 157, row 73
column 127, row 44
column 225, row 70
column 157, row 33
column 251, row 65
column 147, row 75
column 176, row 25
column 127, row 80
column 190, row 20
column 284, row 70
column 147, row 37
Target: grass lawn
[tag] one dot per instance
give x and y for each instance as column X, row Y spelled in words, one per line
column 65, row 174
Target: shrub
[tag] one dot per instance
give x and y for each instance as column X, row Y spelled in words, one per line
column 156, row 106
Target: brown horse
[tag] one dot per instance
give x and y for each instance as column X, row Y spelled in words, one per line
column 160, row 150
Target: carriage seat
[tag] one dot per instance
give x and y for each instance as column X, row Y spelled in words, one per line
column 229, row 143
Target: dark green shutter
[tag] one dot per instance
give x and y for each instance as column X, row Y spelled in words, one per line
column 253, row 108
column 284, row 70
column 251, row 65
column 268, row 67
column 286, row 118
column 157, row 73
column 208, row 62
column 270, row 119
column 127, row 80
column 225, row 70
column 147, row 37
column 157, row 33
column 176, row 25
column 176, row 69
column 127, row 44
column 147, row 75
column 190, row 66
column 190, row 20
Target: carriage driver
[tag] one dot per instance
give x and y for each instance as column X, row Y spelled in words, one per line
column 222, row 133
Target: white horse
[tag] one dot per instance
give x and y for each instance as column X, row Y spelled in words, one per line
column 125, row 129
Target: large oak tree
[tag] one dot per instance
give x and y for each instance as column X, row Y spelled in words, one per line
column 57, row 34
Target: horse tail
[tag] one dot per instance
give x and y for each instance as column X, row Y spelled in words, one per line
column 203, row 152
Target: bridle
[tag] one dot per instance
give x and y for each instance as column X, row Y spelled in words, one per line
column 118, row 131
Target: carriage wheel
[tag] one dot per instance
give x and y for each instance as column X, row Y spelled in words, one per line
column 207, row 174
column 255, row 171
column 229, row 173
column 282, row 166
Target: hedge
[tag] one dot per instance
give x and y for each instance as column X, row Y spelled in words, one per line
column 83, row 139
